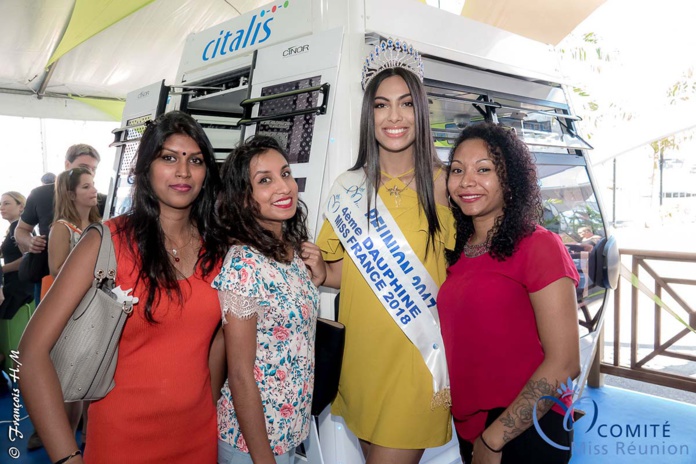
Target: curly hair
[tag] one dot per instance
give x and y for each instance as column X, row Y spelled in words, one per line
column 239, row 211
column 141, row 224
column 522, row 209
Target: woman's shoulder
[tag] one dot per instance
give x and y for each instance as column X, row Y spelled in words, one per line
column 124, row 246
column 439, row 172
column 544, row 252
column 350, row 177
column 68, row 225
column 542, row 241
column 117, row 223
column 245, row 257
column 542, row 234
column 242, row 271
column 63, row 230
column 241, row 252
column 440, row 186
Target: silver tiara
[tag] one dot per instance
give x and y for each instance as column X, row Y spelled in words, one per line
column 389, row 54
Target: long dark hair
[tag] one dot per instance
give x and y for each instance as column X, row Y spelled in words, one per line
column 522, row 209
column 239, row 211
column 141, row 225
column 425, row 156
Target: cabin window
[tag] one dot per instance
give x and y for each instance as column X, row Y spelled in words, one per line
column 571, row 211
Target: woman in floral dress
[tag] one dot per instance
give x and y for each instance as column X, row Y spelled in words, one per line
column 268, row 289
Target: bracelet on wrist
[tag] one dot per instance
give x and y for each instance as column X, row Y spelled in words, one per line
column 69, row 457
column 489, row 446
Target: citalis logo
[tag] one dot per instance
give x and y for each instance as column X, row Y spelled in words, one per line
column 258, row 31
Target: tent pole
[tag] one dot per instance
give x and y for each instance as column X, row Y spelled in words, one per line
column 44, row 83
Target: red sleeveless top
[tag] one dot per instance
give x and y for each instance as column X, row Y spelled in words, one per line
column 161, row 409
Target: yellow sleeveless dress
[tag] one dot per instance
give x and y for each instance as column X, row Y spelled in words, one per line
column 385, row 389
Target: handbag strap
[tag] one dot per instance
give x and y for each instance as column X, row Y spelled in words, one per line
column 106, row 260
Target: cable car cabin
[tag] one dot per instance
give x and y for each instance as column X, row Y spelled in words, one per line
column 292, row 70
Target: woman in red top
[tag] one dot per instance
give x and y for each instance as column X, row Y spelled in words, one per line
column 168, row 249
column 507, row 308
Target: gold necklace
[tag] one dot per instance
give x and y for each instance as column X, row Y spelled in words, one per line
column 396, row 191
column 175, row 253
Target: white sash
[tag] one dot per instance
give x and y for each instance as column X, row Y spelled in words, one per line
column 393, row 271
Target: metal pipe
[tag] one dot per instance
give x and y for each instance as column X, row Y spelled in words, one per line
column 47, row 77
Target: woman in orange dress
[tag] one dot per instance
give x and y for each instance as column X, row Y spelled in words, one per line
column 168, row 249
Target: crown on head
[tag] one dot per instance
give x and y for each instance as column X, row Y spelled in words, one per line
column 389, row 54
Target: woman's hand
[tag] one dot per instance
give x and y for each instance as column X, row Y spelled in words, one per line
column 482, row 455
column 311, row 255
column 2, row 296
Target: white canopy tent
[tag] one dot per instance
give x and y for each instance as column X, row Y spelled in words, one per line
column 63, row 58
column 138, row 49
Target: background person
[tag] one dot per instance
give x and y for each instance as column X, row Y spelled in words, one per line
column 75, row 209
column 48, row 178
column 40, row 205
column 588, row 237
column 168, row 249
column 14, row 292
column 39, row 211
column 386, row 389
column 268, row 290
column 508, row 307
column 39, row 208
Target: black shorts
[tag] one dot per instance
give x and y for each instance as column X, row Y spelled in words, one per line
column 529, row 447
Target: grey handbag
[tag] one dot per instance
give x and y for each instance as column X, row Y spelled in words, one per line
column 85, row 354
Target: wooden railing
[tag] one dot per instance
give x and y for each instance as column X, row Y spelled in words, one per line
column 647, row 288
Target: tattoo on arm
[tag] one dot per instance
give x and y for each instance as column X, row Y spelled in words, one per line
column 519, row 417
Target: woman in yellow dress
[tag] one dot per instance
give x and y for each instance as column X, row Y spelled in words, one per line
column 386, row 389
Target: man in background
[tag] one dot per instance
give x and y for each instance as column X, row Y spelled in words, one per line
column 39, row 208
column 48, row 178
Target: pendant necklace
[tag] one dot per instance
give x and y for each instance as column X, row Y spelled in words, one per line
column 395, row 191
column 175, row 253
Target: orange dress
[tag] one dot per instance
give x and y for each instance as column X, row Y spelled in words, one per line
column 161, row 409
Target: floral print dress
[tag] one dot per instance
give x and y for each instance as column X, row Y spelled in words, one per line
column 286, row 303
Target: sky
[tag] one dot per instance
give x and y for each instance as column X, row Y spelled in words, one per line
column 651, row 44
column 654, row 40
